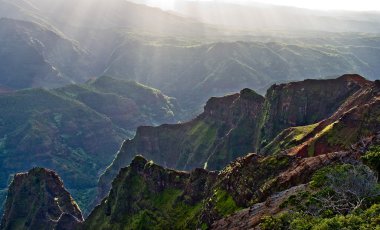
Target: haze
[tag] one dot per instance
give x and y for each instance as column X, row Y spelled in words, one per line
column 364, row 5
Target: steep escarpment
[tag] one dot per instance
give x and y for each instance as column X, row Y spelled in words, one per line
column 227, row 128
column 342, row 139
column 307, row 102
column 353, row 121
column 38, row 200
column 242, row 194
column 235, row 125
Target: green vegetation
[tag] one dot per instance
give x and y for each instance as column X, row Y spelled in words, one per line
column 30, row 194
column 3, row 194
column 75, row 130
column 289, row 138
column 341, row 197
column 275, row 162
column 342, row 135
column 84, row 197
column 203, row 134
column 202, row 137
column 170, row 212
column 138, row 201
column 301, row 132
column 224, row 203
column 372, row 158
column 364, row 220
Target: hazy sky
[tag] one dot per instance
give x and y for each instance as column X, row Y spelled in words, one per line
column 357, row 5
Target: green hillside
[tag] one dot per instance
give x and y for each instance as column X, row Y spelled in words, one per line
column 75, row 130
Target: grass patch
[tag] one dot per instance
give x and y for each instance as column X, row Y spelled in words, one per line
column 224, row 203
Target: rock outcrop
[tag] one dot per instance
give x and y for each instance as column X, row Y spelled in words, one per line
column 144, row 195
column 38, row 200
column 249, row 218
column 306, row 102
column 235, row 125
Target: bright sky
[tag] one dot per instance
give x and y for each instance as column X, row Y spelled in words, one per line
column 356, row 5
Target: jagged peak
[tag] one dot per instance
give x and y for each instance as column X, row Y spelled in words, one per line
column 250, row 94
column 38, row 172
column 139, row 162
column 215, row 103
column 45, row 188
column 358, row 79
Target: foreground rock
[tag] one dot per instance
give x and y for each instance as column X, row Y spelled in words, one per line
column 38, row 200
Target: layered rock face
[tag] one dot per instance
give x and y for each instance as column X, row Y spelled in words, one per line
column 145, row 195
column 356, row 120
column 38, row 200
column 227, row 128
column 306, row 102
column 235, row 125
column 258, row 184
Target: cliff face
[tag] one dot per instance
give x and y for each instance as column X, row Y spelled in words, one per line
column 235, row 125
column 307, row 102
column 227, row 128
column 38, row 200
column 145, row 195
column 258, row 184
column 354, row 121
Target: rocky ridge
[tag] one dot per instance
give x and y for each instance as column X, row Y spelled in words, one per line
column 145, row 194
column 38, row 200
column 236, row 125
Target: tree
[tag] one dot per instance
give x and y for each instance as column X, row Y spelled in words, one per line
column 348, row 188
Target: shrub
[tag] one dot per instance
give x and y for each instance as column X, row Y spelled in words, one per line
column 348, row 188
column 372, row 158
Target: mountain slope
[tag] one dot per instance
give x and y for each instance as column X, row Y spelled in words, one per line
column 99, row 15
column 255, row 16
column 177, row 194
column 75, row 130
column 192, row 73
column 144, row 195
column 255, row 178
column 174, row 54
column 235, row 125
column 38, row 200
column 181, row 57
column 33, row 55
column 241, row 195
